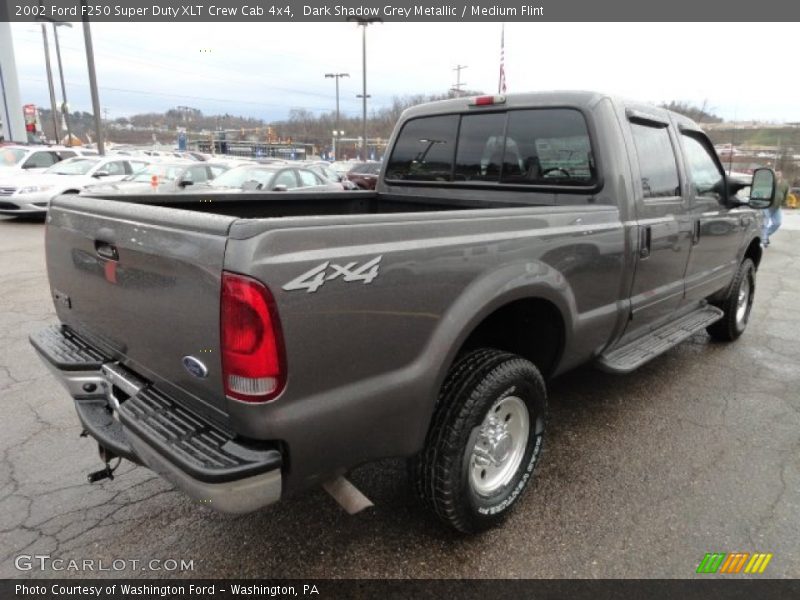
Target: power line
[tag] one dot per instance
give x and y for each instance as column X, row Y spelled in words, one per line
column 186, row 97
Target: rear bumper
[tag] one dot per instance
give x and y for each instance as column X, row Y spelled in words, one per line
column 128, row 416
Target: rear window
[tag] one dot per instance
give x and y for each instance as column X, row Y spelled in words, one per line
column 520, row 147
column 425, row 150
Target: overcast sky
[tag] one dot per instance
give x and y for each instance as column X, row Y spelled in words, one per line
column 742, row 70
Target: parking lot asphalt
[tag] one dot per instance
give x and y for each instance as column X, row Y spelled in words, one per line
column 698, row 451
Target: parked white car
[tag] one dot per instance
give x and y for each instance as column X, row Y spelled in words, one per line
column 30, row 194
column 18, row 160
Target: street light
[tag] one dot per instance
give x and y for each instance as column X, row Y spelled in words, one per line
column 337, row 77
column 363, row 22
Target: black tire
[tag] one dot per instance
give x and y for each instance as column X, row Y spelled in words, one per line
column 732, row 325
column 482, row 380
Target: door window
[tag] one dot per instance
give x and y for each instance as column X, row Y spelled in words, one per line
column 113, row 168
column 658, row 168
column 707, row 179
column 307, row 178
column 287, row 178
column 40, row 160
column 196, row 174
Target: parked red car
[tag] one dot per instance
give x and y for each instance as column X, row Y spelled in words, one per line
column 365, row 175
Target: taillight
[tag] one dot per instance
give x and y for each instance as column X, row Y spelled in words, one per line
column 253, row 363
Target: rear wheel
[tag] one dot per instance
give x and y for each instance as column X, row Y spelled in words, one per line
column 484, row 441
column 737, row 304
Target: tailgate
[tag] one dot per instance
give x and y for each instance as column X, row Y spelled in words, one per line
column 143, row 283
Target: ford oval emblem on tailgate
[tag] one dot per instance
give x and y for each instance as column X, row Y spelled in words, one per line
column 194, row 366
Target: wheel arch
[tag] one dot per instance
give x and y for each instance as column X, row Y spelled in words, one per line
column 754, row 252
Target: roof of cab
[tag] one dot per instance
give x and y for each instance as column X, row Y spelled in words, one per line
column 578, row 99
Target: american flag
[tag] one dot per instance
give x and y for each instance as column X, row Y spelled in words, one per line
column 501, row 86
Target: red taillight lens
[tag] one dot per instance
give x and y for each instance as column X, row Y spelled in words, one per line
column 253, row 364
column 487, row 100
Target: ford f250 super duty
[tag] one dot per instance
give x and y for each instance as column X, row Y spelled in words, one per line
column 246, row 346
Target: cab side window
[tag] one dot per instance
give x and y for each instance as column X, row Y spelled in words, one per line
column 707, row 179
column 658, row 168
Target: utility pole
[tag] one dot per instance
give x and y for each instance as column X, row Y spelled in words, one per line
column 363, row 22
column 456, row 89
column 53, row 109
column 64, row 106
column 87, row 38
column 336, row 132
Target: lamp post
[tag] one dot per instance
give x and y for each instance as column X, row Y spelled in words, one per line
column 363, row 22
column 336, row 77
column 53, row 108
column 336, row 134
column 64, row 106
column 87, row 40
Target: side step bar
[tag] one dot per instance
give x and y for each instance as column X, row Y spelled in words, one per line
column 624, row 359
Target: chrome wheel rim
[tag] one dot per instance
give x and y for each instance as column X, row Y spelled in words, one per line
column 743, row 301
column 499, row 446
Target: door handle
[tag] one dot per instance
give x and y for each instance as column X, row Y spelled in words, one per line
column 645, row 241
column 106, row 250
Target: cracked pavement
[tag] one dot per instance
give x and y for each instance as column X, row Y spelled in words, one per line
column 698, row 451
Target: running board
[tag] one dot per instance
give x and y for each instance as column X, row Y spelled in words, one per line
column 624, row 359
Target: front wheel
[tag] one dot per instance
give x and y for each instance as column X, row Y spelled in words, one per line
column 484, row 441
column 736, row 305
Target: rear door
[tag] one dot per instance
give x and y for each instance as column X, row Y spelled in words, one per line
column 143, row 283
column 663, row 223
column 718, row 231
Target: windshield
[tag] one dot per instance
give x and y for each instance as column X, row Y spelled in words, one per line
column 10, row 156
column 237, row 176
column 164, row 172
column 72, row 166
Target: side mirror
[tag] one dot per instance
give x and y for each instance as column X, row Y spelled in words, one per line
column 185, row 182
column 29, row 165
column 280, row 188
column 100, row 174
column 762, row 190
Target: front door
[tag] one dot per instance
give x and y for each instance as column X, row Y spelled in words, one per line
column 717, row 229
column 663, row 224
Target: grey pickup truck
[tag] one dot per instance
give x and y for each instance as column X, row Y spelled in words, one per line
column 247, row 346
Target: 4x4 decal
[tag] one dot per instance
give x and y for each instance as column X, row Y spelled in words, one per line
column 315, row 278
